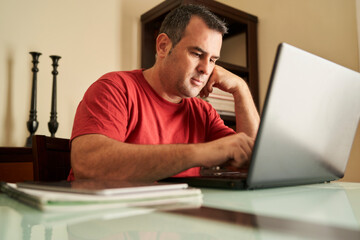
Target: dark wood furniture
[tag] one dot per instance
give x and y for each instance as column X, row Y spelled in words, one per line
column 47, row 160
column 51, row 158
column 16, row 164
column 238, row 22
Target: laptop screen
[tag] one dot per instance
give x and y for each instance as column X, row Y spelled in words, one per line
column 309, row 121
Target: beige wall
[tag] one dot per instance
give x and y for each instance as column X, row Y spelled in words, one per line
column 91, row 36
column 353, row 169
column 94, row 37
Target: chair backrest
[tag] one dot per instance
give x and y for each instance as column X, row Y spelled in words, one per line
column 51, row 158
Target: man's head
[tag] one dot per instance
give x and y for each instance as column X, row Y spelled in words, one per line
column 176, row 21
column 187, row 48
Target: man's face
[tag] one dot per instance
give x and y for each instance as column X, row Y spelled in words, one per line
column 190, row 63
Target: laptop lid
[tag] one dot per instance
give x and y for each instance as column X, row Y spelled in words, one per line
column 309, row 121
column 308, row 124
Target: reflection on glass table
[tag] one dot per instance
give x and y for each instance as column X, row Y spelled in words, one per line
column 325, row 211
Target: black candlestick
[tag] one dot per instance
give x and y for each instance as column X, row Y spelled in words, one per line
column 53, row 124
column 33, row 124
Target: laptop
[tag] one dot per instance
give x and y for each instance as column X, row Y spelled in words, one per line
column 308, row 124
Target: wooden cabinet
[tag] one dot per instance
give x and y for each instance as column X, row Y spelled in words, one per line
column 239, row 23
column 47, row 160
column 16, row 164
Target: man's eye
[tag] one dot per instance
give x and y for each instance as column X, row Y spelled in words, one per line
column 196, row 54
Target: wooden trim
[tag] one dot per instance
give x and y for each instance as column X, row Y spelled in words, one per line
column 15, row 154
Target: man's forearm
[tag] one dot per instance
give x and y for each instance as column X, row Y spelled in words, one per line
column 96, row 156
column 99, row 157
column 247, row 116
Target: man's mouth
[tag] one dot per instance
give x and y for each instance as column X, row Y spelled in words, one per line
column 197, row 81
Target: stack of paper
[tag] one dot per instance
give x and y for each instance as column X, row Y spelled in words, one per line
column 67, row 196
column 223, row 102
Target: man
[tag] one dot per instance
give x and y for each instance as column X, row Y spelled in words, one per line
column 146, row 125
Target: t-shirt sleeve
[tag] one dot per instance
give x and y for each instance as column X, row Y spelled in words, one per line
column 103, row 110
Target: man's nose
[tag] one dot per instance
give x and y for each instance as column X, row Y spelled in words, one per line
column 204, row 67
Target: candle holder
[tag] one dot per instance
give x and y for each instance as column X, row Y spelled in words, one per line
column 53, row 124
column 33, row 124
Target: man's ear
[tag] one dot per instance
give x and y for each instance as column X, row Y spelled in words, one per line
column 163, row 45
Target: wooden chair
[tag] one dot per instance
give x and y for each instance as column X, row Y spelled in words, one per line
column 51, row 158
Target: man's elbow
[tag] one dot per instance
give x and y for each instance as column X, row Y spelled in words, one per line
column 82, row 160
column 80, row 166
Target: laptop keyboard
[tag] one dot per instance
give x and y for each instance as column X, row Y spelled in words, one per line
column 217, row 172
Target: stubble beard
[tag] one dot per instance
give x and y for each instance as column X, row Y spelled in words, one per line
column 186, row 88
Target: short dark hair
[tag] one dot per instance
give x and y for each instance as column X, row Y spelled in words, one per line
column 176, row 21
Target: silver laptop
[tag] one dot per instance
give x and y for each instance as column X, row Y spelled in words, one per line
column 307, row 128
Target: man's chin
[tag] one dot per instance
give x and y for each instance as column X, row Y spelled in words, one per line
column 194, row 94
column 191, row 92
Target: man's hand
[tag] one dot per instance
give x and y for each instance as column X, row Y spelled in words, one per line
column 234, row 150
column 247, row 117
column 222, row 79
column 99, row 157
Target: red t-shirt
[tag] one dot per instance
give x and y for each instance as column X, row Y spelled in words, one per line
column 124, row 107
